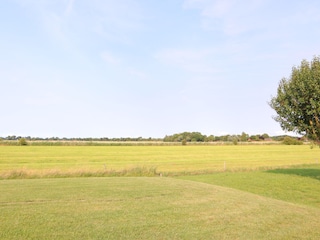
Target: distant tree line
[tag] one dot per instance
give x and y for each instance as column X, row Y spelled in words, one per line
column 104, row 139
column 198, row 137
column 183, row 137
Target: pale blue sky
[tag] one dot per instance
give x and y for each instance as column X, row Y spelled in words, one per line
column 130, row 68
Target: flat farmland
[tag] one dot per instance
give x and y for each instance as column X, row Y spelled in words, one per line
column 265, row 192
column 50, row 161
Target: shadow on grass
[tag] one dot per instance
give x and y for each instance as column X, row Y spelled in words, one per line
column 312, row 173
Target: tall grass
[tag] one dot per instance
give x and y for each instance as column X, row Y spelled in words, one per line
column 56, row 173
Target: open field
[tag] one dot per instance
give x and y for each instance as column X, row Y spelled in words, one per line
column 146, row 208
column 265, row 192
column 62, row 161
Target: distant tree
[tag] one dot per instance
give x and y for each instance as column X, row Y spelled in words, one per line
column 297, row 102
column 187, row 136
column 13, row 137
column 210, row 138
column 244, row 137
column 225, row 138
column 168, row 139
column 255, row 137
column 197, row 137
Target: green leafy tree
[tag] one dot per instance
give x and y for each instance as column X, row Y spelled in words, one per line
column 255, row 137
column 210, row 138
column 187, row 136
column 297, row 102
column 244, row 137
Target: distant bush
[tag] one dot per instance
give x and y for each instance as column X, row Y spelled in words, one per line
column 235, row 141
column 23, row 142
column 291, row 141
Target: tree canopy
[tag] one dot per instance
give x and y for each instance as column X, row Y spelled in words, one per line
column 297, row 102
column 187, row 136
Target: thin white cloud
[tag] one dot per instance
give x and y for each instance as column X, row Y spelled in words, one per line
column 229, row 16
column 187, row 59
column 54, row 25
column 45, row 99
column 116, row 21
column 53, row 16
column 237, row 17
column 259, row 30
column 62, row 19
column 110, row 58
column 69, row 8
column 137, row 73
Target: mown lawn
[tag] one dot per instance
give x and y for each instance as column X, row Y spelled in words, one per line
column 300, row 185
column 146, row 208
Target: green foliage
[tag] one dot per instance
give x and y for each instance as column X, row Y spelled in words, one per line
column 198, row 137
column 210, row 138
column 22, row 142
column 235, row 141
column 187, row 136
column 244, row 137
column 255, row 137
column 291, row 141
column 298, row 100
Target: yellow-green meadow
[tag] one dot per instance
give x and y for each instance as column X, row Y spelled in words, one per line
column 50, row 161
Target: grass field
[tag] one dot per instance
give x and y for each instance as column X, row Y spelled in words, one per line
column 266, row 192
column 35, row 161
column 299, row 185
column 146, row 208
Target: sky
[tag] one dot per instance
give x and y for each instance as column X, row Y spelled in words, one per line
column 148, row 68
